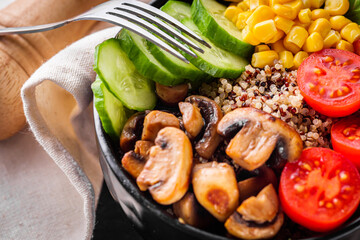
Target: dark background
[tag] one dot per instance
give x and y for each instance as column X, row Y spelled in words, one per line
column 111, row 222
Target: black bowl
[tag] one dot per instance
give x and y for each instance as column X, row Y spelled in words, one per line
column 154, row 221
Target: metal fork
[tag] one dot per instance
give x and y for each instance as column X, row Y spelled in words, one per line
column 134, row 16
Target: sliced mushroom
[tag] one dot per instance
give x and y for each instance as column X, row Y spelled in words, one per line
column 167, row 172
column 257, row 217
column 216, row 189
column 132, row 131
column 262, row 208
column 191, row 212
column 212, row 115
column 133, row 163
column 257, row 134
column 192, row 119
column 143, row 148
column 240, row 228
column 252, row 186
column 171, row 95
column 155, row 121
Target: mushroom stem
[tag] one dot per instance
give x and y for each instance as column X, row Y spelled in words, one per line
column 212, row 115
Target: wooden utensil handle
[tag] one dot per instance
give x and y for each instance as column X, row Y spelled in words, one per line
column 21, row 55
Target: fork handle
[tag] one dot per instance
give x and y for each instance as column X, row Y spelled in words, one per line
column 32, row 29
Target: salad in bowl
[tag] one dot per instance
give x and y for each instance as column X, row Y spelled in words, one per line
column 258, row 137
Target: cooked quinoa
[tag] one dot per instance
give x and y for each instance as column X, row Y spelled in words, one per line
column 275, row 91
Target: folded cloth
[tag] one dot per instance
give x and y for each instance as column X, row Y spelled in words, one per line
column 40, row 199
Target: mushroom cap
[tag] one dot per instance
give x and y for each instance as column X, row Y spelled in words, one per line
column 216, row 189
column 255, row 134
column 262, row 208
column 133, row 163
column 155, row 121
column 192, row 119
column 132, row 131
column 167, row 172
column 253, row 185
column 191, row 212
column 240, row 228
column 171, row 95
column 211, row 114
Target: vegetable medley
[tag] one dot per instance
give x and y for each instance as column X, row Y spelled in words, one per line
column 237, row 146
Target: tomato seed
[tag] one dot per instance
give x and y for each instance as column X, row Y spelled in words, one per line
column 306, row 167
column 317, row 163
column 329, row 59
column 321, row 203
column 311, row 86
column 356, row 70
column 343, row 176
column 322, row 91
column 348, row 62
column 345, row 89
column 319, row 71
column 329, row 205
column 337, row 62
column 299, row 188
column 339, row 92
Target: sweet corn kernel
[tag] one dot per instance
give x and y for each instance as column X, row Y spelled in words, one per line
column 243, row 6
column 261, row 59
column 262, row 48
column 332, row 39
column 338, row 22
column 278, row 46
column 287, row 59
column 314, row 43
column 256, row 3
column 279, row 35
column 247, row 2
column 351, row 32
column 265, row 30
column 321, row 26
column 306, row 3
column 283, row 24
column 299, row 58
column 337, row 7
column 231, row 12
column 241, row 19
column 288, row 10
column 316, row 3
column 345, row 45
column 300, row 24
column 291, row 46
column 297, row 36
column 304, row 15
column 260, row 14
column 319, row 13
column 249, row 37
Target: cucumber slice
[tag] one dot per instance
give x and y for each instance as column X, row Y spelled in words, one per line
column 177, row 9
column 111, row 111
column 208, row 15
column 137, row 49
column 176, row 66
column 215, row 61
column 121, row 78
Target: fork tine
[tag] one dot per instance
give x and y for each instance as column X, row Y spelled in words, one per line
column 138, row 30
column 160, row 14
column 154, row 29
column 160, row 24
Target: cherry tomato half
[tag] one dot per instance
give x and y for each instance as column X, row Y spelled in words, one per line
column 329, row 81
column 345, row 138
column 321, row 190
column 356, row 45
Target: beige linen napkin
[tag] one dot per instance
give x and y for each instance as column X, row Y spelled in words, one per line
column 53, row 194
